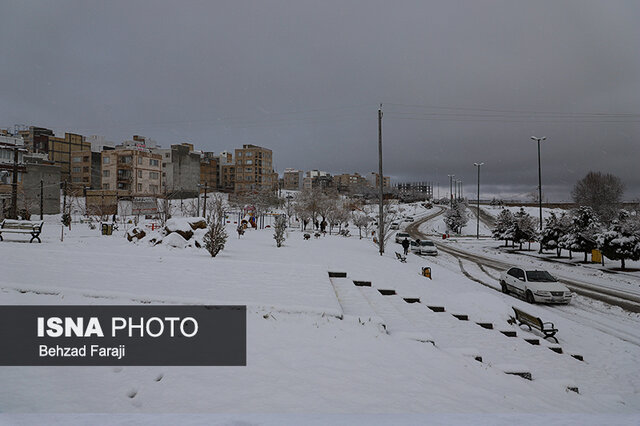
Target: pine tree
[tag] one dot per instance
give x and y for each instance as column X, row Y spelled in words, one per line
column 582, row 232
column 456, row 217
column 622, row 240
column 554, row 229
column 503, row 224
column 523, row 228
column 280, row 228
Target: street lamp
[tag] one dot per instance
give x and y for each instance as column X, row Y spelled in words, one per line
column 539, row 177
column 451, row 188
column 478, row 202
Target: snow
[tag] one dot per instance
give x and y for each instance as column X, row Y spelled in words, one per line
column 321, row 345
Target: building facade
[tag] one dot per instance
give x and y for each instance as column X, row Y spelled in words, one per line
column 132, row 172
column 254, row 169
column 209, row 172
column 374, row 180
column 292, row 179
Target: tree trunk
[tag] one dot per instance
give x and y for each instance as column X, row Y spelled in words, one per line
column 622, row 263
column 520, row 247
column 558, row 251
column 570, row 254
column 585, row 256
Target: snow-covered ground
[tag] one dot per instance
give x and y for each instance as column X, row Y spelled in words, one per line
column 315, row 344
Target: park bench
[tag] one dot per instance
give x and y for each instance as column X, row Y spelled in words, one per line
column 401, row 258
column 10, row 226
column 547, row 328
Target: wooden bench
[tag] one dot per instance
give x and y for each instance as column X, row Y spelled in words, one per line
column 547, row 328
column 401, row 258
column 9, row 226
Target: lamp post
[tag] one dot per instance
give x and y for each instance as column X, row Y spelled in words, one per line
column 478, row 203
column 539, row 177
column 451, row 188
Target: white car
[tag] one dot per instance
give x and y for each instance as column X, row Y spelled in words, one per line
column 408, row 219
column 394, row 225
column 400, row 236
column 424, row 247
column 534, row 286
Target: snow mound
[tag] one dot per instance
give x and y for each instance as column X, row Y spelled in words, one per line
column 174, row 240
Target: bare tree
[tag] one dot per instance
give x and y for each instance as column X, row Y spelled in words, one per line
column 389, row 215
column 601, row 192
column 361, row 220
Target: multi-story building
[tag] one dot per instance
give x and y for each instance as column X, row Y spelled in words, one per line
column 346, row 181
column 58, row 149
column 12, row 152
column 419, row 188
column 180, row 170
column 132, row 172
column 292, row 179
column 209, row 171
column 86, row 170
column 254, row 169
column 374, row 180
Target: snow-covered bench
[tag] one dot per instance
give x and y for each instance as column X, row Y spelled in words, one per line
column 10, row 226
column 547, row 328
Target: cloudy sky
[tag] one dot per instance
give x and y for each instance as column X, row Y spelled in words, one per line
column 459, row 82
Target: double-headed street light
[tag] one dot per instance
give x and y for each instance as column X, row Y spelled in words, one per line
column 478, row 203
column 451, row 188
column 539, row 177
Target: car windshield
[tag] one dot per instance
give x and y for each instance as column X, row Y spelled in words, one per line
column 540, row 276
column 426, row 243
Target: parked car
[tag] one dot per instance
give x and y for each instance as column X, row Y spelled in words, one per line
column 394, row 225
column 408, row 219
column 401, row 236
column 534, row 286
column 424, row 247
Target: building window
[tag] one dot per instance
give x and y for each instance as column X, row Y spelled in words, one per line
column 248, row 169
column 85, row 178
column 153, row 175
column 125, row 159
column 76, row 170
column 105, row 186
column 106, row 160
column 139, row 160
column 249, row 154
column 85, row 158
column 85, row 169
column 106, row 173
column 77, row 159
column 140, row 187
column 76, row 179
column 240, row 154
column 139, row 173
column 153, row 162
column 153, row 188
column 247, row 178
column 248, row 162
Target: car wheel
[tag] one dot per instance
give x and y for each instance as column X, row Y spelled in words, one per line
column 505, row 290
column 529, row 297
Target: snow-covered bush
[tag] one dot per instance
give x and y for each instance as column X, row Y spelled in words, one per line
column 216, row 236
column 622, row 240
column 280, row 228
column 456, row 217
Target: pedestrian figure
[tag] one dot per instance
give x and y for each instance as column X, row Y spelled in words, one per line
column 405, row 246
column 323, row 226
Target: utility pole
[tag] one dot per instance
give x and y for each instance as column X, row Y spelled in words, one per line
column 14, row 186
column 380, row 176
column 42, row 199
column 478, row 202
column 539, row 179
column 451, row 188
column 204, row 207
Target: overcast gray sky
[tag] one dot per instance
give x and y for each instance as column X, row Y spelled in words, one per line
column 460, row 82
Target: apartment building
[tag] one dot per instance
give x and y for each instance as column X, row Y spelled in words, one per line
column 180, row 170
column 209, row 171
column 346, row 181
column 374, row 180
column 58, row 149
column 86, row 170
column 292, row 179
column 254, row 169
column 133, row 172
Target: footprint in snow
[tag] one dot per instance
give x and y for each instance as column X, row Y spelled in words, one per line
column 132, row 393
column 159, row 377
column 117, row 369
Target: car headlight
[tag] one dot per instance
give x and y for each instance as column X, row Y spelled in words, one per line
column 542, row 293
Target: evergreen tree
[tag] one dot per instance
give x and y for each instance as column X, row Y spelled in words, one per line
column 554, row 229
column 280, row 227
column 582, row 232
column 523, row 228
column 622, row 240
column 456, row 217
column 502, row 226
column 216, row 236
